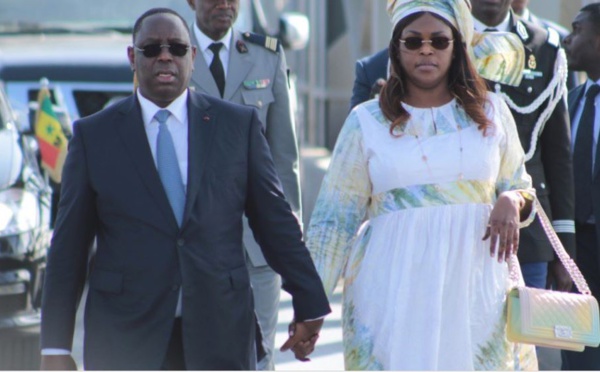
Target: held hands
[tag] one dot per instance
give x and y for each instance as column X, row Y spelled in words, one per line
column 303, row 337
column 58, row 363
column 503, row 227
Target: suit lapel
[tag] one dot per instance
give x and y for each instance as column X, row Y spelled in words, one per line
column 239, row 67
column 201, row 129
column 132, row 132
column 202, row 77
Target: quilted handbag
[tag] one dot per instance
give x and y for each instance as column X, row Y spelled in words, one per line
column 549, row 318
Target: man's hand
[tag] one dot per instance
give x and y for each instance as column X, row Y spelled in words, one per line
column 303, row 337
column 58, row 363
column 558, row 277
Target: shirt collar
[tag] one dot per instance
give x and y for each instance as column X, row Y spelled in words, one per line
column 205, row 41
column 502, row 26
column 589, row 83
column 526, row 15
column 177, row 108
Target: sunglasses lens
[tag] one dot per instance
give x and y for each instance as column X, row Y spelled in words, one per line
column 440, row 43
column 178, row 50
column 413, row 43
column 153, row 50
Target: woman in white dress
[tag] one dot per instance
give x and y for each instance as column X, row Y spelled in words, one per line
column 434, row 169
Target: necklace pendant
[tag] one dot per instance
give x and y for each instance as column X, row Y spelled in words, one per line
column 424, row 157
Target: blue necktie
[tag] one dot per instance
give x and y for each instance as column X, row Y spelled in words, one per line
column 168, row 166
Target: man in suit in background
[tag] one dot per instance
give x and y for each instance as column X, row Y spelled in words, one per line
column 251, row 70
column 370, row 75
column 540, row 113
column 520, row 8
column 161, row 180
column 583, row 53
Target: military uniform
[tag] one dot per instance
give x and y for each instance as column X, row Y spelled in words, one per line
column 546, row 141
column 257, row 76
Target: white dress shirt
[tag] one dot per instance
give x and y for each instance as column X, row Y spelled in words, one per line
column 205, row 41
column 178, row 126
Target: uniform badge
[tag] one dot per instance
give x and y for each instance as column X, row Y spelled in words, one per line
column 256, row 84
column 531, row 62
column 241, row 47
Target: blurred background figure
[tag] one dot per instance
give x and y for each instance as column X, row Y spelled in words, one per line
column 540, row 112
column 250, row 69
column 583, row 52
column 520, row 7
column 370, row 75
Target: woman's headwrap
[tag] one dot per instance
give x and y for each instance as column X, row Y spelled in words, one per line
column 497, row 56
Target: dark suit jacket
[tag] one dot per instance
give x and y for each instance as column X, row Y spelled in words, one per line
column 550, row 166
column 111, row 190
column 575, row 97
column 368, row 70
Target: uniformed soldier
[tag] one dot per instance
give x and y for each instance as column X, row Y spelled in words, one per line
column 250, row 69
column 538, row 105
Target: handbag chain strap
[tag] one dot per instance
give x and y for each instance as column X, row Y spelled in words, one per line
column 567, row 261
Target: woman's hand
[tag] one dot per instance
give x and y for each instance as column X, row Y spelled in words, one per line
column 503, row 226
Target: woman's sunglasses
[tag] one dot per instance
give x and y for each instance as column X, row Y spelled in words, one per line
column 437, row 42
column 153, row 50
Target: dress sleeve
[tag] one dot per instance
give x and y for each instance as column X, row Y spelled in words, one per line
column 512, row 175
column 341, row 205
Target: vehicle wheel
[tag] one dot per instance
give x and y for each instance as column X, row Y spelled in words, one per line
column 20, row 349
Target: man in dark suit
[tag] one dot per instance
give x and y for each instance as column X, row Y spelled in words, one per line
column 161, row 179
column 370, row 75
column 540, row 113
column 583, row 53
column 250, row 69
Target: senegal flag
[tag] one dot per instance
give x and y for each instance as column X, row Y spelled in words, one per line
column 50, row 135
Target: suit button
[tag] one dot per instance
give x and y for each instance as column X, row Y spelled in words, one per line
column 180, row 242
column 260, row 104
column 542, row 185
column 529, row 89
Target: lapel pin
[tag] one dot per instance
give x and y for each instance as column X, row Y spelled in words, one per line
column 206, row 118
column 241, row 47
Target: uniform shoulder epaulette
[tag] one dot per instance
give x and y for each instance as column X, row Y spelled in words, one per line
column 270, row 43
column 553, row 37
column 522, row 31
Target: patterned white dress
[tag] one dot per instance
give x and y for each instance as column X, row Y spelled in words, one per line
column 421, row 291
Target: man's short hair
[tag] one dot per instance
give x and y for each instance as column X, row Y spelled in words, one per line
column 594, row 11
column 153, row 11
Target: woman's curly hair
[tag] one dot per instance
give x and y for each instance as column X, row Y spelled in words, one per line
column 466, row 85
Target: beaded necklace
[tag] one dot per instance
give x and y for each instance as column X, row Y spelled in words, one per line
column 414, row 133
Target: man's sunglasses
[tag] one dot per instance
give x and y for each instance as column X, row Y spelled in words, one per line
column 153, row 50
column 415, row 43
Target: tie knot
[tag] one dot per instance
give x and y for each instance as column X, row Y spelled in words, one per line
column 162, row 116
column 593, row 91
column 215, row 47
